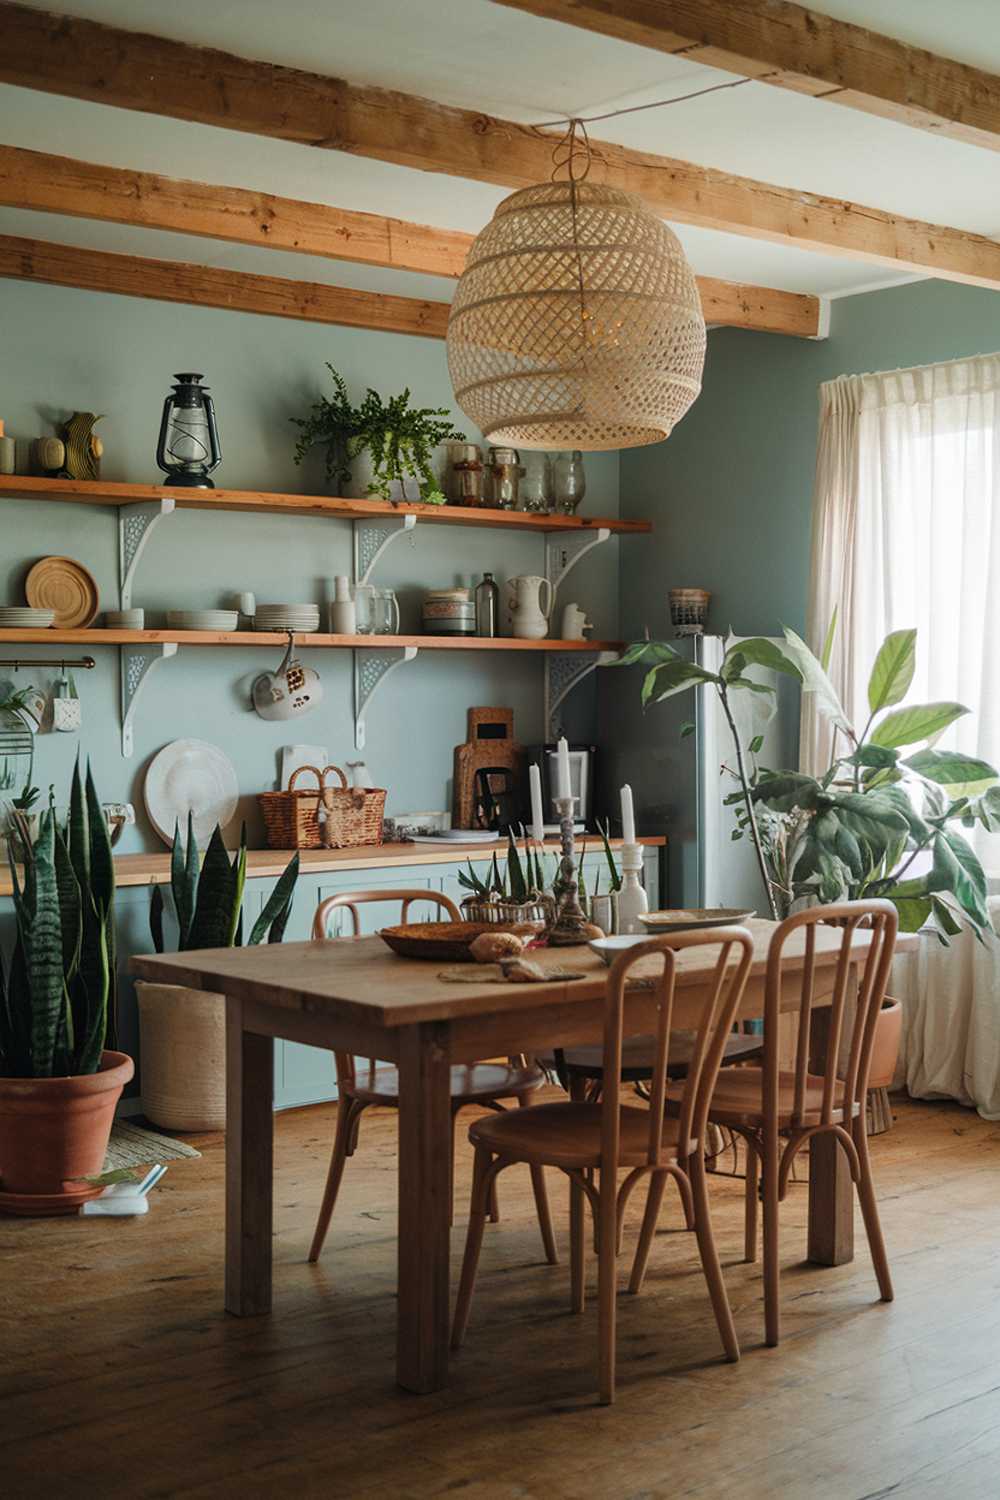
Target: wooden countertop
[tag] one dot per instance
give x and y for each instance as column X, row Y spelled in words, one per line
column 154, row 869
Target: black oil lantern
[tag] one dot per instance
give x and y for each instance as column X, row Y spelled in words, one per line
column 188, row 450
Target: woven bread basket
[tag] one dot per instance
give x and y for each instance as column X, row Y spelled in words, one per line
column 292, row 818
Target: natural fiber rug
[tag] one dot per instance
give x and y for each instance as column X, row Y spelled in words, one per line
column 132, row 1146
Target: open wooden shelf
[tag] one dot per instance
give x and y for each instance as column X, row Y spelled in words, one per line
column 304, row 641
column 105, row 492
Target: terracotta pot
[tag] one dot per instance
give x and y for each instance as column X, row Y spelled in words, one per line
column 53, row 1130
column 885, row 1051
column 182, row 1052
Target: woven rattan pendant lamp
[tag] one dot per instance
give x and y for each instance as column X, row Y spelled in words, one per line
column 576, row 322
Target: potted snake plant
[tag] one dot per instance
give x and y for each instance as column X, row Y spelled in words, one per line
column 60, row 1075
column 182, row 1031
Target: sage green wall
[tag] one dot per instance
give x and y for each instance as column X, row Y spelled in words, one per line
column 64, row 350
column 730, row 492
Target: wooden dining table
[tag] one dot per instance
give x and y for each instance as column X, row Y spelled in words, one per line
column 354, row 995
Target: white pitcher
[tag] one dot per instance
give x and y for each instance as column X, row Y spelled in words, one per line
column 529, row 618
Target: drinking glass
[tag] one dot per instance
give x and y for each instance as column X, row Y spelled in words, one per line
column 386, row 612
column 365, row 610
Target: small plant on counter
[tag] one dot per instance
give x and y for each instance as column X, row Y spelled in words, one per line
column 400, row 439
column 208, row 897
column 614, row 874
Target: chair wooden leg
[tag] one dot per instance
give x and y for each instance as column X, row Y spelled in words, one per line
column 544, row 1215
column 657, row 1182
column 750, row 1208
column 473, row 1245
column 346, row 1130
column 869, row 1210
column 577, row 1248
column 772, row 1291
column 494, row 1206
column 710, row 1258
column 607, row 1288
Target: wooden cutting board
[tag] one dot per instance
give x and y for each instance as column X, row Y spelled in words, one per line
column 490, row 742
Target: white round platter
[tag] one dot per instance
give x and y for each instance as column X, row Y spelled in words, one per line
column 190, row 776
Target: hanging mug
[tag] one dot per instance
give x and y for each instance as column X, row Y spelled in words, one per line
column 290, row 691
column 66, row 715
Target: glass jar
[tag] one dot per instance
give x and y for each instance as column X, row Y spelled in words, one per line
column 465, row 474
column 536, row 486
column 570, row 481
column 505, row 478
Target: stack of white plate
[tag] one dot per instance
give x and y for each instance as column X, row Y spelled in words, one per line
column 297, row 617
column 17, row 617
column 202, row 619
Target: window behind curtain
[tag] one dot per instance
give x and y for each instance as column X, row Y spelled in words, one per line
column 907, row 533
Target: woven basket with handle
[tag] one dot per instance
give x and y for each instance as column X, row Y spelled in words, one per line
column 292, row 818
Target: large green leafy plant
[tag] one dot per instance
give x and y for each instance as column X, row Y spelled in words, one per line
column 57, row 994
column 208, row 897
column 885, row 817
column 400, row 438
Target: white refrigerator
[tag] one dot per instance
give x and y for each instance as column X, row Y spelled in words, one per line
column 679, row 783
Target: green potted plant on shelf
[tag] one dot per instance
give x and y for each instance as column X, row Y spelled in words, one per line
column 375, row 448
column 182, row 1030
column 60, row 1077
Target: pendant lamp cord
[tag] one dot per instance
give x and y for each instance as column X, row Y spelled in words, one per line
column 635, row 109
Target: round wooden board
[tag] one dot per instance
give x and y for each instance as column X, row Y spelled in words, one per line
column 66, row 586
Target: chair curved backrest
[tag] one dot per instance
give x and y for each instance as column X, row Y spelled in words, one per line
column 735, row 955
column 791, row 965
column 353, row 899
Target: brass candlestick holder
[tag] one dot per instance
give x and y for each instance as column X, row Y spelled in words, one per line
column 570, row 926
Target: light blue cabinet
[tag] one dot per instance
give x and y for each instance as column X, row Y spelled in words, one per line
column 302, row 1075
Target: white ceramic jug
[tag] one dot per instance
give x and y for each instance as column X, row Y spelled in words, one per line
column 530, row 619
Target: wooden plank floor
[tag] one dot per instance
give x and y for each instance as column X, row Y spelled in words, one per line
column 119, row 1375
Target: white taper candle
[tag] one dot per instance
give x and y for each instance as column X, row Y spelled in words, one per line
column 563, row 785
column 628, row 815
column 537, row 816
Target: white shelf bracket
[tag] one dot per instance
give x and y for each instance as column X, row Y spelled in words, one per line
column 371, row 668
column 135, row 522
column 136, row 664
column 562, row 553
column 372, row 538
column 563, row 671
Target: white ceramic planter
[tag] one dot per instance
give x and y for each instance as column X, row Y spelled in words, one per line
column 182, row 1038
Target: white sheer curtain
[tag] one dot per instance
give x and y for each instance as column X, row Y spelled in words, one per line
column 906, row 532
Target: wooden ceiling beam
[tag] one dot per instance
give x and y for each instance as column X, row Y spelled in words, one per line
column 792, row 47
column 87, row 60
column 725, row 303
column 208, row 286
column 41, row 182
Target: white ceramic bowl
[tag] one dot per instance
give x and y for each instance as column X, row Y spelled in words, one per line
column 609, row 947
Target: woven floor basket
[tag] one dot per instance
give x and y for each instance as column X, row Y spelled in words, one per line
column 353, row 815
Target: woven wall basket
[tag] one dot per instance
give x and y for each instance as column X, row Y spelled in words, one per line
column 576, row 322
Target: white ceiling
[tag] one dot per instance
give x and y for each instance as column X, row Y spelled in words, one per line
column 483, row 56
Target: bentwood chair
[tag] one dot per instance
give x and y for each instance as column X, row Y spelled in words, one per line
column 484, row 1084
column 778, row 1111
column 584, row 1138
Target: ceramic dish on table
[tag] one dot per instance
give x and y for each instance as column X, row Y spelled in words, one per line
column 15, row 617
column 65, row 586
column 608, row 948
column 687, row 919
column 190, row 776
column 202, row 619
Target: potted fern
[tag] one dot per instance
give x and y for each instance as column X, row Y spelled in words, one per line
column 182, row 1030
column 60, row 1075
column 379, row 446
